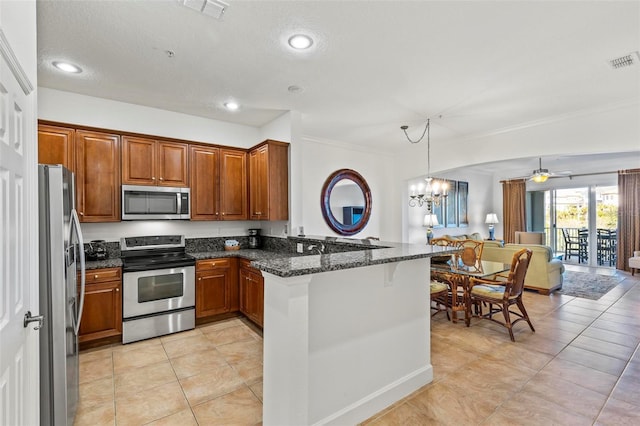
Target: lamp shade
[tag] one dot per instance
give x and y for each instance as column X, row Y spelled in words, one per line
column 430, row 220
column 491, row 219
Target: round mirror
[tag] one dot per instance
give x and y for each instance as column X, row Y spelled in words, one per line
column 346, row 202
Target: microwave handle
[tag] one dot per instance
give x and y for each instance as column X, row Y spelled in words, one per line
column 179, row 195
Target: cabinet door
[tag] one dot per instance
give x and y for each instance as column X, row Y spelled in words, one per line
column 102, row 312
column 269, row 181
column 138, row 161
column 97, row 176
column 172, row 164
column 204, row 183
column 245, row 290
column 212, row 292
column 56, row 145
column 233, row 184
column 259, row 296
column 258, row 190
column 252, row 295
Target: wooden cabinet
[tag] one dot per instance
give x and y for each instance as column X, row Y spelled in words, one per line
column 216, row 287
column 251, row 292
column 154, row 162
column 218, row 183
column 233, row 184
column 56, row 145
column 269, row 181
column 97, row 176
column 102, row 312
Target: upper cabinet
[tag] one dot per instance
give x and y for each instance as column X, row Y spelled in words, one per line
column 218, row 183
column 154, row 162
column 269, row 181
column 56, row 145
column 97, row 176
column 233, row 184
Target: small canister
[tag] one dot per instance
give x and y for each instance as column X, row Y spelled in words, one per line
column 254, row 238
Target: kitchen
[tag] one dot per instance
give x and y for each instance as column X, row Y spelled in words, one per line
column 311, row 160
column 215, row 271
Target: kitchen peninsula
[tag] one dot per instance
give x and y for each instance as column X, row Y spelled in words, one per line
column 345, row 334
column 346, row 324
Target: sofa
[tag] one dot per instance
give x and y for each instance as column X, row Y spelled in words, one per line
column 545, row 272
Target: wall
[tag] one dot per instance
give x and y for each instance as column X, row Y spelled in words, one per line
column 320, row 159
column 479, row 203
column 609, row 129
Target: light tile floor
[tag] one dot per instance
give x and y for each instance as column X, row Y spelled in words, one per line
column 581, row 366
column 208, row 376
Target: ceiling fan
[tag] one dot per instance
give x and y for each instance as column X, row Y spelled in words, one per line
column 540, row 175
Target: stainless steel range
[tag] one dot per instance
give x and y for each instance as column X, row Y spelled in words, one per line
column 158, row 285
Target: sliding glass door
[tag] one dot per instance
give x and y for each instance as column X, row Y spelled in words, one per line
column 581, row 224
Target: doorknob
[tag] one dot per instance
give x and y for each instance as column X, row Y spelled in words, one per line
column 28, row 319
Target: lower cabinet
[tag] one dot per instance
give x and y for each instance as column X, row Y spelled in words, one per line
column 251, row 292
column 102, row 311
column 216, row 287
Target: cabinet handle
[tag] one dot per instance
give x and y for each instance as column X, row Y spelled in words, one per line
column 95, row 277
column 161, row 178
column 81, row 214
column 217, row 213
column 153, row 178
column 200, row 279
column 222, row 213
column 117, row 289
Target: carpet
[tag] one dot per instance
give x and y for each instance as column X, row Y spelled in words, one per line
column 587, row 286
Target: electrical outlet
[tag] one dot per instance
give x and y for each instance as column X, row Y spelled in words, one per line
column 299, row 248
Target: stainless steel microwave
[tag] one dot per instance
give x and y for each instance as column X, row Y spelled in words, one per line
column 155, row 202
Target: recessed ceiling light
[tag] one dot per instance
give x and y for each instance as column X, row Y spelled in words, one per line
column 67, row 67
column 300, row 41
column 231, row 106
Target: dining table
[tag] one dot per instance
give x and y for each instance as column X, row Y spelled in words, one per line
column 457, row 275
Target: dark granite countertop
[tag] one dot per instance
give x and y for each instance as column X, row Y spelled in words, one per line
column 339, row 253
column 372, row 253
column 249, row 254
column 101, row 264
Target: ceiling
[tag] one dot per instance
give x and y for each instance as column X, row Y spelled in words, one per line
column 484, row 66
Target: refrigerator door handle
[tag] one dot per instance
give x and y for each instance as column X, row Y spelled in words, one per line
column 75, row 225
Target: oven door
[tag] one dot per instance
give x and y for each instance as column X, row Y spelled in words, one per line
column 158, row 290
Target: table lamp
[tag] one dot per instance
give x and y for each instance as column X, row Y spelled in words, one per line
column 430, row 220
column 491, row 219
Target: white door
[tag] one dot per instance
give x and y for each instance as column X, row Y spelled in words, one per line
column 19, row 369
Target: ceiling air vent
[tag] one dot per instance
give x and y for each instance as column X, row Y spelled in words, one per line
column 213, row 8
column 625, row 61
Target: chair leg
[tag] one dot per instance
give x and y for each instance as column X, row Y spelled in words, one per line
column 507, row 321
column 525, row 315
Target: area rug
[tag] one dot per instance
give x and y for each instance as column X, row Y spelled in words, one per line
column 587, row 286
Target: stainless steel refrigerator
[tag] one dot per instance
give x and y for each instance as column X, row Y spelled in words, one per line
column 61, row 296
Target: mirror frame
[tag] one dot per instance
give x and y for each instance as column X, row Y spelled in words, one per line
column 325, row 197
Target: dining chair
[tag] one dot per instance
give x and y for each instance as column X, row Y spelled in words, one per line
column 571, row 245
column 439, row 298
column 470, row 253
column 504, row 293
column 440, row 285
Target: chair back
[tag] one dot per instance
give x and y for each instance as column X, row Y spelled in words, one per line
column 565, row 235
column 519, row 267
column 443, row 242
column 470, row 252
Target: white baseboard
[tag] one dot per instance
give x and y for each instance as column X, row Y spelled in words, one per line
column 380, row 399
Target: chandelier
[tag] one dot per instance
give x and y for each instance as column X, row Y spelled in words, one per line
column 434, row 191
